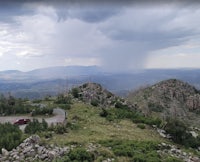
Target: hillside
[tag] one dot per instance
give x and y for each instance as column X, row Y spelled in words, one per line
column 100, row 127
column 96, row 95
column 169, row 98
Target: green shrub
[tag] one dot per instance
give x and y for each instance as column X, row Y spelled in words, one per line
column 180, row 133
column 104, row 113
column 60, row 129
column 94, row 102
column 126, row 113
column 11, row 136
column 75, row 92
column 42, row 111
column 35, row 126
column 173, row 159
column 138, row 150
column 65, row 106
column 63, row 99
column 80, row 155
column 141, row 126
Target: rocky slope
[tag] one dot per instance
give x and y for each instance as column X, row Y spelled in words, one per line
column 96, row 95
column 172, row 98
column 31, row 150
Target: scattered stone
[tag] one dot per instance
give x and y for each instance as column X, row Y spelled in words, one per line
column 173, row 151
column 4, row 152
column 30, row 150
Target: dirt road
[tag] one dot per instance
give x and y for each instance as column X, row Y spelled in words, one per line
column 59, row 117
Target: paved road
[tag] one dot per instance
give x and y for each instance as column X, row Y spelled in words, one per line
column 59, row 117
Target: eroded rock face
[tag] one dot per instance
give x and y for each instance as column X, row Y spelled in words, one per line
column 95, row 94
column 193, row 102
column 30, row 150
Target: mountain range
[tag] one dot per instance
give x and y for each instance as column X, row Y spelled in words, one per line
column 53, row 80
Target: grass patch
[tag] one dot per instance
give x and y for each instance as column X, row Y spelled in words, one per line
column 88, row 126
column 135, row 150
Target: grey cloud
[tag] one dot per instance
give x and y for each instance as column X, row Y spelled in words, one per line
column 159, row 39
column 9, row 10
column 87, row 14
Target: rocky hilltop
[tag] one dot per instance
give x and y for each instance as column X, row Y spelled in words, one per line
column 96, row 95
column 172, row 98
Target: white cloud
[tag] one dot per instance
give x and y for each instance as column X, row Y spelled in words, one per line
column 82, row 61
column 174, row 61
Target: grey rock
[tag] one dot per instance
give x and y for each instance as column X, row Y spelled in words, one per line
column 51, row 155
column 4, row 152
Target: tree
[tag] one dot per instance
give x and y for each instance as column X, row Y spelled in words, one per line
column 177, row 129
column 75, row 92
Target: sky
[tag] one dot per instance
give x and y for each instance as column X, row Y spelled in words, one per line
column 116, row 36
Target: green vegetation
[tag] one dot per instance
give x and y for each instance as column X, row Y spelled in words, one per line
column 135, row 150
column 141, row 126
column 35, row 126
column 11, row 136
column 96, row 134
column 58, row 128
column 85, row 124
column 80, row 154
column 63, row 99
column 94, row 102
column 125, row 113
column 180, row 133
column 155, row 107
column 10, row 105
column 172, row 159
column 42, row 111
column 75, row 92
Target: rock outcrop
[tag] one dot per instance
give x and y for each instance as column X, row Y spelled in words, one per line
column 174, row 151
column 95, row 94
column 170, row 98
column 30, row 150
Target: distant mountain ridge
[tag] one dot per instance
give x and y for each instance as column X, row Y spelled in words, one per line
column 53, row 80
column 58, row 72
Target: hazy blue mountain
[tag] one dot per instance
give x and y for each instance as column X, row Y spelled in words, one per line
column 53, row 80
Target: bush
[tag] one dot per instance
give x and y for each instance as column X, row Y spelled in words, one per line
column 35, row 126
column 180, row 133
column 60, row 129
column 104, row 113
column 141, row 126
column 80, row 155
column 10, row 105
column 75, row 92
column 172, row 159
column 11, row 136
column 63, row 99
column 94, row 102
column 138, row 150
column 126, row 113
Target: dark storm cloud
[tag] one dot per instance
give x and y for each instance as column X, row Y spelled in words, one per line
column 116, row 35
column 155, row 39
column 87, row 14
column 9, row 9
